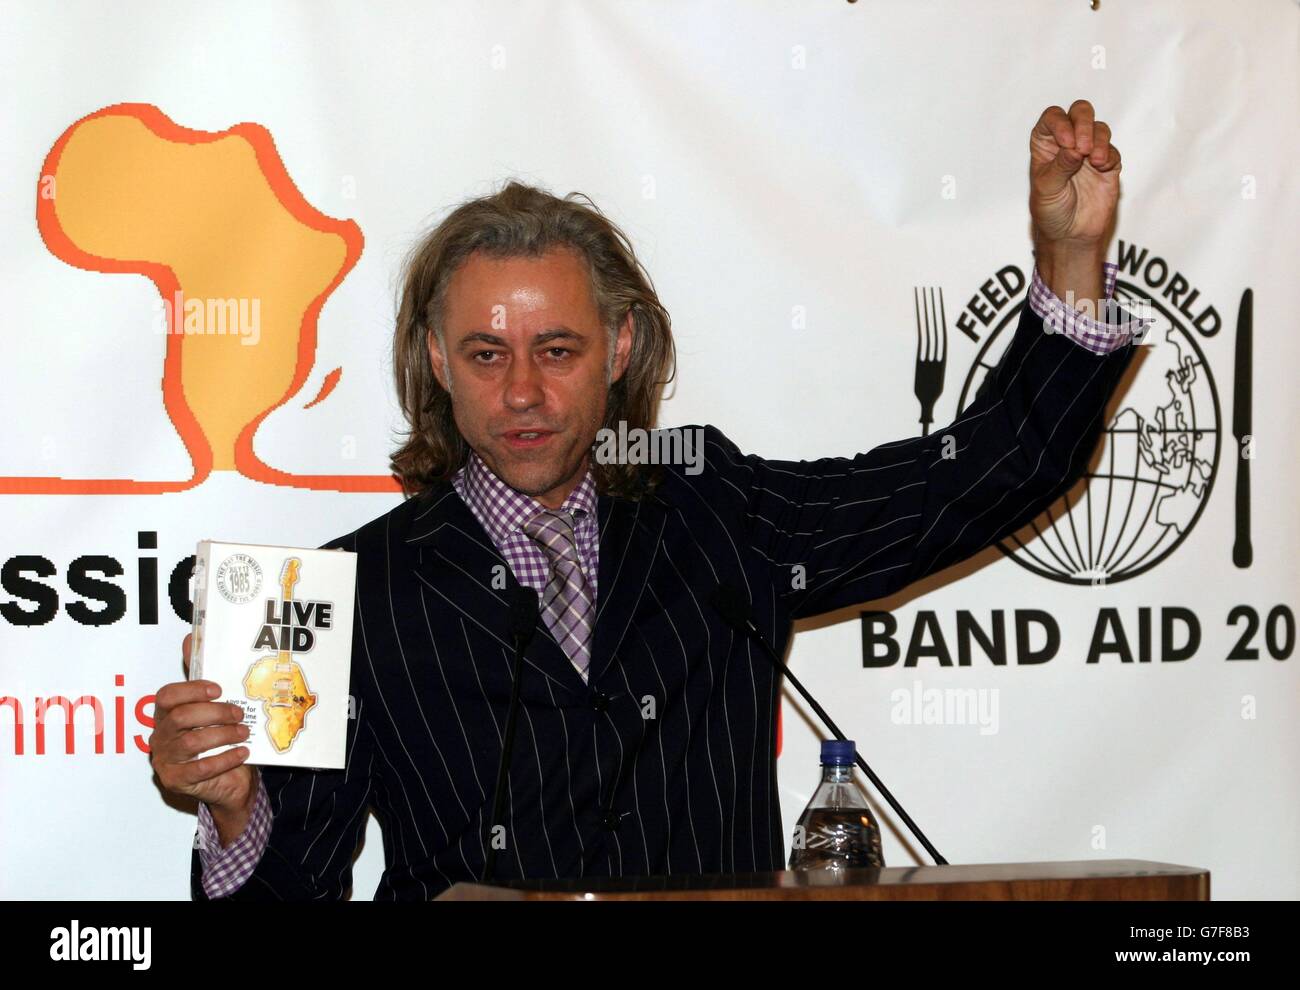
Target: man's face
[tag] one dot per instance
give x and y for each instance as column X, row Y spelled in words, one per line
column 526, row 352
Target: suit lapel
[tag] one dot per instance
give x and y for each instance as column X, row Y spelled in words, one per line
column 631, row 533
column 455, row 560
column 457, row 565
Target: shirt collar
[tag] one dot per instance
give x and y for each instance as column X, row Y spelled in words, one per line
column 502, row 509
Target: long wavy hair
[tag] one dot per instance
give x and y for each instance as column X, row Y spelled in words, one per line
column 523, row 220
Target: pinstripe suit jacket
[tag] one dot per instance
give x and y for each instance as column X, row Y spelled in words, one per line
column 664, row 762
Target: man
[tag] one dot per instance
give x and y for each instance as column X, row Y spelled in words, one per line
column 646, row 738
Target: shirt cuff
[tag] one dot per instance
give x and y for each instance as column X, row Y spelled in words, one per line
column 1100, row 336
column 226, row 870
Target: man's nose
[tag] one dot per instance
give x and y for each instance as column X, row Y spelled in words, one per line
column 523, row 388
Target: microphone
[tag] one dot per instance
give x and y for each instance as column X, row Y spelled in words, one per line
column 733, row 606
column 522, row 620
column 523, row 613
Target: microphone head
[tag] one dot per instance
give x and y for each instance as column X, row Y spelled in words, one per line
column 524, row 609
column 731, row 604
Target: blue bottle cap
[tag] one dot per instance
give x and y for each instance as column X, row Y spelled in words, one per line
column 838, row 754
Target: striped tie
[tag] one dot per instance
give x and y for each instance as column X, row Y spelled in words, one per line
column 566, row 602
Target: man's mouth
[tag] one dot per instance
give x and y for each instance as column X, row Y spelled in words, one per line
column 527, row 438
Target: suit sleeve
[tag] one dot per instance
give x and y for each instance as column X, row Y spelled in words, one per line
column 317, row 819
column 840, row 531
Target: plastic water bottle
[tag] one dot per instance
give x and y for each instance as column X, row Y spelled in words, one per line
column 837, row 830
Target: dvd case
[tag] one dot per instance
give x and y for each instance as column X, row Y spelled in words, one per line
column 273, row 627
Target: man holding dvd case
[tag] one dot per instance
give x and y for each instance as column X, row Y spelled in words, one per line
column 527, row 332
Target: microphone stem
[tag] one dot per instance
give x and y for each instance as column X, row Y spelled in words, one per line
column 835, row 730
column 507, row 748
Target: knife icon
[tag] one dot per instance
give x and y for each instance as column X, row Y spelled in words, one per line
column 1242, row 552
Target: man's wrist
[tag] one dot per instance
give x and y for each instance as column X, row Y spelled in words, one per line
column 231, row 822
column 1074, row 272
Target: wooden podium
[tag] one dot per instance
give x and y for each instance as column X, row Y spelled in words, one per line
column 1080, row 880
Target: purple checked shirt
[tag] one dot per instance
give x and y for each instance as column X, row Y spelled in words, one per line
column 502, row 511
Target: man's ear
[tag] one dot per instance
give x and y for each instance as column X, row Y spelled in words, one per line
column 436, row 361
column 622, row 347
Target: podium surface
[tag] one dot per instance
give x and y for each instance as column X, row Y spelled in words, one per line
column 1078, row 880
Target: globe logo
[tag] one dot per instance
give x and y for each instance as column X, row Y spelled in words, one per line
column 1149, row 483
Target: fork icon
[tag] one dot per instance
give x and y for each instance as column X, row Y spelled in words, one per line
column 931, row 352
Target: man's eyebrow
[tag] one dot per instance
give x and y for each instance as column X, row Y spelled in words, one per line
column 541, row 337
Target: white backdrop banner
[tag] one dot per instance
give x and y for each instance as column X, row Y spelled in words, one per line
column 1117, row 681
